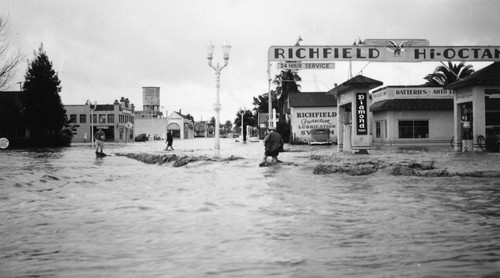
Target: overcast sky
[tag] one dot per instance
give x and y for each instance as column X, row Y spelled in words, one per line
column 103, row 49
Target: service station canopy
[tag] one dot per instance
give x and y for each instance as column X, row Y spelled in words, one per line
column 385, row 51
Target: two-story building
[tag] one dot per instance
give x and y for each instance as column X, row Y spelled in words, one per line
column 116, row 120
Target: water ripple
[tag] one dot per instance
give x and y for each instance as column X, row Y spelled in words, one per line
column 65, row 214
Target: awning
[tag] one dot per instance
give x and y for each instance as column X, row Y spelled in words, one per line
column 412, row 104
column 488, row 76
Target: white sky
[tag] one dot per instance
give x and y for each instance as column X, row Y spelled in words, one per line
column 106, row 49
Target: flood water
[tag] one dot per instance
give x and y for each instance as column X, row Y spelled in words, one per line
column 64, row 213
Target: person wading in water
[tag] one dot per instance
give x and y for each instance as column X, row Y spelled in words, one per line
column 99, row 140
column 272, row 145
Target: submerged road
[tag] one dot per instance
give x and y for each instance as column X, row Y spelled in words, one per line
column 66, row 213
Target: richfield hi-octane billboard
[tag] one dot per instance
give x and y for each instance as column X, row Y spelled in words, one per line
column 395, row 52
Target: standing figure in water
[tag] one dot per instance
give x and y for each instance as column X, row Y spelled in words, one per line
column 170, row 140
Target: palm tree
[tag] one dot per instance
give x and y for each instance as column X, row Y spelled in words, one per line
column 443, row 75
column 261, row 102
column 286, row 82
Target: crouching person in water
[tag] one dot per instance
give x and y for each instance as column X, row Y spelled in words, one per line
column 99, row 140
column 272, row 145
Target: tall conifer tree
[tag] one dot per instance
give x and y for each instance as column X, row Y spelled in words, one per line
column 44, row 112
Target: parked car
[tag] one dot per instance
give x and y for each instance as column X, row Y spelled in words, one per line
column 320, row 136
column 493, row 138
column 141, row 137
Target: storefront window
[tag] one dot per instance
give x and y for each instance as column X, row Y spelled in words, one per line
column 413, row 129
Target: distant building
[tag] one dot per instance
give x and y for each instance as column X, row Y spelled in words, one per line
column 12, row 126
column 181, row 126
column 150, row 120
column 201, row 129
column 155, row 127
column 116, row 120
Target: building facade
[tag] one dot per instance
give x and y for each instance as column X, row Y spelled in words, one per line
column 476, row 107
column 12, row 126
column 311, row 111
column 411, row 115
column 154, row 127
column 116, row 120
column 180, row 125
column 354, row 119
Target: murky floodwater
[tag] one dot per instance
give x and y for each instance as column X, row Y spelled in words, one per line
column 64, row 213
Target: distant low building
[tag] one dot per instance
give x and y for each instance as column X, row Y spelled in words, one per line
column 12, row 126
column 152, row 124
column 201, row 129
column 181, row 126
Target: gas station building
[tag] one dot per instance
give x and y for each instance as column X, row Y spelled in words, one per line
column 460, row 114
column 409, row 115
column 476, row 106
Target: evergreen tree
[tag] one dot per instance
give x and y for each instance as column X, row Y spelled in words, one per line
column 43, row 110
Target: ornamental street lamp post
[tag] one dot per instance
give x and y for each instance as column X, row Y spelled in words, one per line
column 242, row 112
column 92, row 106
column 210, row 51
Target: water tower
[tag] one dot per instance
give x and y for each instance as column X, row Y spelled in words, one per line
column 151, row 99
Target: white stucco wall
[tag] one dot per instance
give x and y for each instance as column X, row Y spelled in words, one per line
column 151, row 126
column 441, row 127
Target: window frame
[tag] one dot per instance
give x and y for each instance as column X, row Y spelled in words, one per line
column 414, row 130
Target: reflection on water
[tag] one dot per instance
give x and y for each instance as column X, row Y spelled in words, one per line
column 65, row 213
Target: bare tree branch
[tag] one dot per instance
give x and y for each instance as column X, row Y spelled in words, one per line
column 8, row 60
